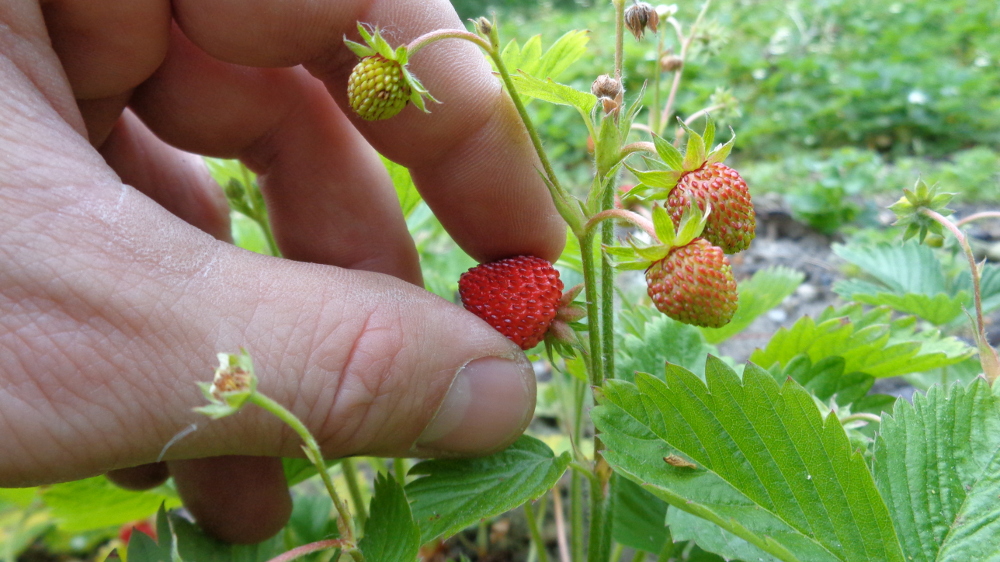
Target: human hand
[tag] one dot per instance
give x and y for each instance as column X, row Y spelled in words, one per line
column 114, row 300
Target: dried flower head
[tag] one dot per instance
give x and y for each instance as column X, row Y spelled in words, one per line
column 606, row 87
column 638, row 17
column 671, row 63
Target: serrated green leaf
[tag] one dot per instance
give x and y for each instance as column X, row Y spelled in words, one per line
column 663, row 340
column 771, row 470
column 757, row 295
column 826, row 379
column 96, row 503
column 937, row 464
column 906, row 268
column 937, row 309
column 453, row 494
column 866, row 343
column 391, row 535
column 639, row 517
column 562, row 54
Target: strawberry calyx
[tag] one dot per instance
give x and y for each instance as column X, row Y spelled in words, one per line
column 908, row 210
column 658, row 182
column 668, row 237
column 376, row 45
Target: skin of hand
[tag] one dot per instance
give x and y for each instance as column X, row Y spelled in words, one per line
column 118, row 284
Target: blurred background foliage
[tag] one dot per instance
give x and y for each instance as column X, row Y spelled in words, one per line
column 836, row 99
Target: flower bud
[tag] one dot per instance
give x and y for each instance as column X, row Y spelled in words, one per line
column 606, row 87
column 671, row 63
column 639, row 16
column 483, row 27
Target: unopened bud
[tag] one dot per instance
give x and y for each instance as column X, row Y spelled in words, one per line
column 606, row 87
column 671, row 63
column 638, row 17
column 483, row 26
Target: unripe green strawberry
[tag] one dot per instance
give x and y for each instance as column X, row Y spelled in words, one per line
column 377, row 88
column 694, row 284
column 518, row 296
column 731, row 222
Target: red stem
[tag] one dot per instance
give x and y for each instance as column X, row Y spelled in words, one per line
column 308, row 549
column 632, row 217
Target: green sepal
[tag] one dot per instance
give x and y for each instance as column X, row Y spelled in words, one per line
column 694, row 155
column 692, row 224
column 358, row 49
column 709, row 135
column 668, row 152
column 625, row 121
column 662, row 179
column 664, row 226
column 652, row 253
column 721, row 153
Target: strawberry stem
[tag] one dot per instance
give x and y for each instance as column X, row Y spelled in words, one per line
column 439, row 34
column 668, row 110
column 630, row 216
column 299, row 552
column 978, row 216
column 987, row 355
column 640, row 146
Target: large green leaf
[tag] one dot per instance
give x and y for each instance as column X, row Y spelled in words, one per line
column 661, row 341
column 391, row 535
column 938, row 309
column 768, row 467
column 937, row 464
column 453, row 494
column 870, row 342
column 96, row 503
column 762, row 292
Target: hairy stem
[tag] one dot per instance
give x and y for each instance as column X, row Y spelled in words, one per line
column 978, row 216
column 640, row 146
column 439, row 34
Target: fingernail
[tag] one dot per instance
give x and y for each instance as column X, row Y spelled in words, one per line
column 489, row 404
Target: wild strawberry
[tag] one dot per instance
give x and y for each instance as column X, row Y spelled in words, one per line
column 731, row 221
column 144, row 526
column 380, row 85
column 377, row 88
column 518, row 296
column 694, row 284
column 699, row 176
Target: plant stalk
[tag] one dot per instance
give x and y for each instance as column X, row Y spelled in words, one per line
column 668, row 109
column 350, row 471
column 536, row 532
column 305, row 549
column 316, row 457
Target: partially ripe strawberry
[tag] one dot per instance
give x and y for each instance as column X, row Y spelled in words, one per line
column 731, row 222
column 377, row 88
column 518, row 296
column 694, row 284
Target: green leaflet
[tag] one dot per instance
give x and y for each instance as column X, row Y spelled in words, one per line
column 910, row 278
column 529, row 58
column 870, row 342
column 453, row 494
column 937, row 464
column 762, row 292
column 406, row 191
column 391, row 535
column 661, row 341
column 770, row 469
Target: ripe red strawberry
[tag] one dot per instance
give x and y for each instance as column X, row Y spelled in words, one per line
column 518, row 296
column 731, row 222
column 694, row 284
column 699, row 176
column 144, row 526
column 377, row 88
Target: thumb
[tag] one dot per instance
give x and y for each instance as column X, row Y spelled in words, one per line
column 135, row 304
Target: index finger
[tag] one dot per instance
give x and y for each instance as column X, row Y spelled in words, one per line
column 470, row 157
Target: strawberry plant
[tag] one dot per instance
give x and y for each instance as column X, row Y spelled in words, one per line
column 665, row 448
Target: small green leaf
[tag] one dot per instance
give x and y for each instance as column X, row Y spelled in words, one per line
column 195, row 546
column 662, row 340
column 142, row 548
column 663, row 179
column 391, row 535
column 765, row 290
column 937, row 464
column 771, row 470
column 453, row 494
